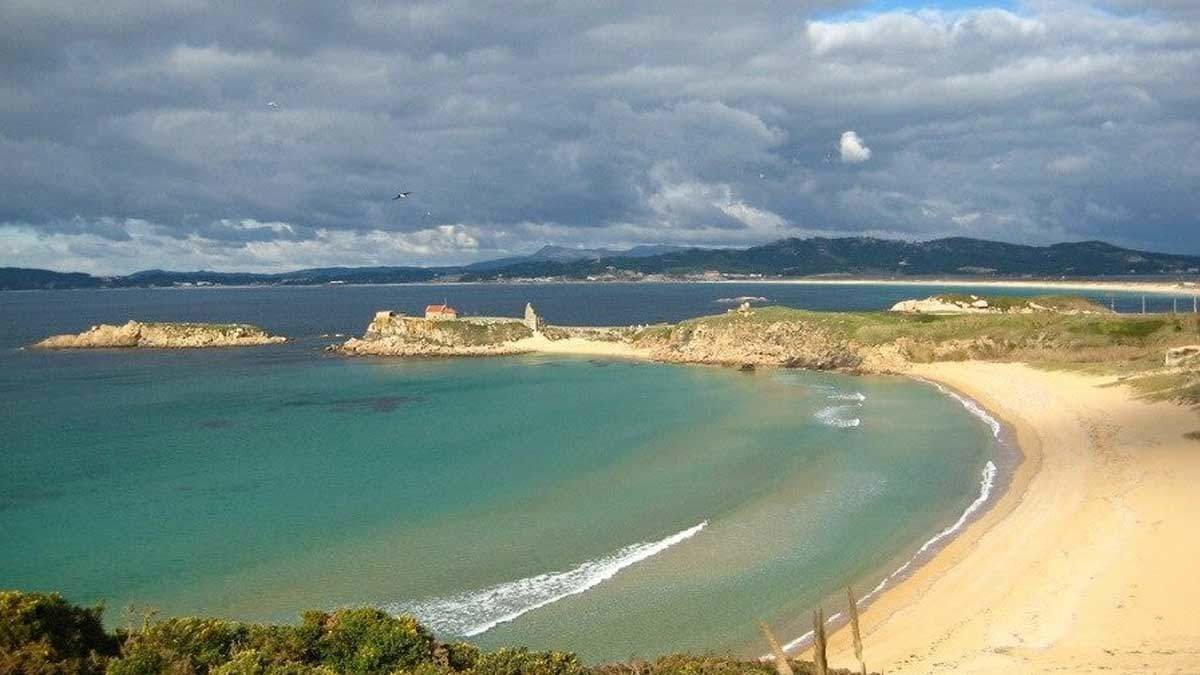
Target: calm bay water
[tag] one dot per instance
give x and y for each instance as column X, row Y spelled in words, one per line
column 609, row 507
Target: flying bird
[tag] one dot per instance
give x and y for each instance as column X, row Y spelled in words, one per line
column 402, row 195
column 272, row 104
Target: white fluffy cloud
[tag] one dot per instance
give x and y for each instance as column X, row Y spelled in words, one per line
column 853, row 149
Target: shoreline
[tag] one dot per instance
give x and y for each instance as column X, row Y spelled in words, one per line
column 1147, row 287
column 998, row 478
column 1007, row 593
column 1170, row 288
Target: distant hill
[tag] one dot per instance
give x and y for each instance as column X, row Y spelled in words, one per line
column 24, row 279
column 866, row 256
column 562, row 254
column 858, row 256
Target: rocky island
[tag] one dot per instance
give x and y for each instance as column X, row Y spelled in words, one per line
column 440, row 333
column 137, row 334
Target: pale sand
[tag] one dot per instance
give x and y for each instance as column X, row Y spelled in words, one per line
column 1147, row 287
column 580, row 347
column 1089, row 563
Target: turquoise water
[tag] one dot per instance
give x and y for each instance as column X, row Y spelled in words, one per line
column 609, row 507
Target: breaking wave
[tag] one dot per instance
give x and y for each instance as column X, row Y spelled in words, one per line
column 986, row 483
column 740, row 299
column 474, row 612
column 856, row 396
column 973, row 408
column 837, row 416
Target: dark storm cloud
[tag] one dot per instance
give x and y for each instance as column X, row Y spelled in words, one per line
column 138, row 134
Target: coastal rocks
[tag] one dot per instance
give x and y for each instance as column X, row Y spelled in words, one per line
column 402, row 348
column 1182, row 356
column 136, row 334
column 394, row 334
column 973, row 304
column 741, row 341
column 939, row 305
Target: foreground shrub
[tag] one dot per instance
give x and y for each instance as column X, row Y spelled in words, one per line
column 366, row 641
column 43, row 633
column 185, row 645
column 521, row 661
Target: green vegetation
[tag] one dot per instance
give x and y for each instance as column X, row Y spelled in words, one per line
column 1047, row 332
column 472, row 333
column 1131, row 346
column 45, row 634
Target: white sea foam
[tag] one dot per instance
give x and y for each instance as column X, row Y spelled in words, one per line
column 841, row 396
column 986, row 483
column 973, row 408
column 740, row 299
column 475, row 612
column 837, row 416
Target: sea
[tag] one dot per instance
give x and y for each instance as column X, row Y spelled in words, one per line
column 613, row 508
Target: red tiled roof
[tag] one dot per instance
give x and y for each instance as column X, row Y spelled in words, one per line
column 439, row 309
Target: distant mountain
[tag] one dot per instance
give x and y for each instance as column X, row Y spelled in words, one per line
column 25, row 279
column 562, row 254
column 859, row 256
column 867, row 256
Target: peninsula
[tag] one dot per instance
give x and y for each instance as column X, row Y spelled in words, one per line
column 1050, row 330
column 136, row 334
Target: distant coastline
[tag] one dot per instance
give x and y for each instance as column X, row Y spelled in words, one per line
column 785, row 259
column 1180, row 289
column 1149, row 287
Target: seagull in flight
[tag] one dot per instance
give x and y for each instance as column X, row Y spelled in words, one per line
column 402, row 195
column 272, row 104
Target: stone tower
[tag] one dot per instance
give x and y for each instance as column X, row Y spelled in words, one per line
column 532, row 319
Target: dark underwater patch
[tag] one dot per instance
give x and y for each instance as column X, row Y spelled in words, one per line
column 378, row 404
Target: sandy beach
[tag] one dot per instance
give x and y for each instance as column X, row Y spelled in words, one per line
column 1147, row 287
column 579, row 347
column 1086, row 564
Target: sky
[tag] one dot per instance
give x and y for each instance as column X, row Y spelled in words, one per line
column 268, row 136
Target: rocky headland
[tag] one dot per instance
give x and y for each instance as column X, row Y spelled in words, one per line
column 137, row 334
column 394, row 334
column 1062, row 333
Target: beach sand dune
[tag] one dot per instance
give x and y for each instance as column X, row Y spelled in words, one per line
column 1088, row 564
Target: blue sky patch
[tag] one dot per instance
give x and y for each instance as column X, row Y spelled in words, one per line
column 878, row 6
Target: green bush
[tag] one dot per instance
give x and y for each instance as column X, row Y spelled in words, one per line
column 184, row 645
column 43, row 633
column 461, row 656
column 521, row 661
column 365, row 641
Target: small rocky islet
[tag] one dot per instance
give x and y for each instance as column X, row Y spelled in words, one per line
column 146, row 335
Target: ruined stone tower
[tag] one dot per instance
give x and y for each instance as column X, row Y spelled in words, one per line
column 532, row 320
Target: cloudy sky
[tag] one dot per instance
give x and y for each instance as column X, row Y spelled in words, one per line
column 138, row 134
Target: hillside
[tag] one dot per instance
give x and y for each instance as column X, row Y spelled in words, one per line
column 867, row 256
column 847, row 256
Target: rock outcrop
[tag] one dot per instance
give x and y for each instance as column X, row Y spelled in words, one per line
column 1187, row 355
column 394, row 334
column 740, row 341
column 974, row 304
column 136, row 334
